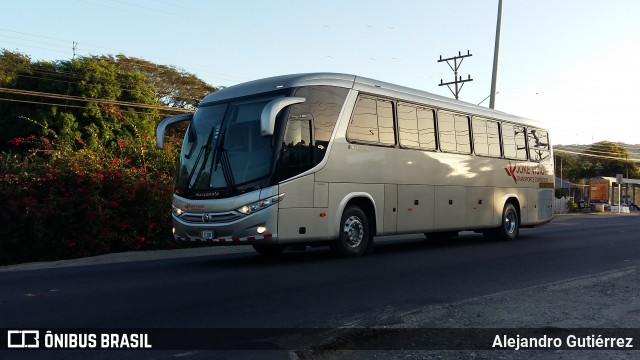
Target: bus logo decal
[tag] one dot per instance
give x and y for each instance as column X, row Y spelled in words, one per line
column 527, row 173
column 511, row 171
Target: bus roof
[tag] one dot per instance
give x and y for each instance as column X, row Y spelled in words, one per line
column 362, row 84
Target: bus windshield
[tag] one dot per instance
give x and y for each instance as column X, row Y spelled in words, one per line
column 223, row 148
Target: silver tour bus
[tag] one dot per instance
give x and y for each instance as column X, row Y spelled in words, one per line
column 335, row 159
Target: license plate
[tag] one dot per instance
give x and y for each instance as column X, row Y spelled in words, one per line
column 207, row 234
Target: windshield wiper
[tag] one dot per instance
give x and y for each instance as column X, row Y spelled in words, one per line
column 227, row 172
column 193, row 170
column 221, row 157
column 206, row 148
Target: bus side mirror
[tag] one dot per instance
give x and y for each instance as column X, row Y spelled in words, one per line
column 160, row 129
column 268, row 115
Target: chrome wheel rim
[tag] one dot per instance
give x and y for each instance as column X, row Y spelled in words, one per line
column 510, row 222
column 353, row 231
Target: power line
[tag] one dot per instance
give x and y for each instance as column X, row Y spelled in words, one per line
column 60, row 49
column 122, row 86
column 598, row 147
column 587, row 151
column 83, row 99
column 197, row 13
column 597, row 156
column 160, row 114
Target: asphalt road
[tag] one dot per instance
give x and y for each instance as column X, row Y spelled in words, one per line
column 313, row 289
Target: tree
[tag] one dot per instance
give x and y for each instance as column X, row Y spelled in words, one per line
column 174, row 87
column 607, row 159
column 567, row 165
column 12, row 64
column 89, row 124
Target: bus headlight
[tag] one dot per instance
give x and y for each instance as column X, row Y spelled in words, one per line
column 260, row 204
column 176, row 210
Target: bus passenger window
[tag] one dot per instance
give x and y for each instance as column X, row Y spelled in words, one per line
column 408, row 126
column 385, row 122
column 454, row 132
column 426, row 129
column 493, row 138
column 480, row 143
column 486, row 137
column 463, row 140
column 372, row 122
column 538, row 144
column 514, row 142
column 416, row 126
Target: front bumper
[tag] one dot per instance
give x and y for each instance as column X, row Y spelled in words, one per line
column 227, row 228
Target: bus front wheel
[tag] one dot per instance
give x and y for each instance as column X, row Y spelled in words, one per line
column 510, row 225
column 355, row 233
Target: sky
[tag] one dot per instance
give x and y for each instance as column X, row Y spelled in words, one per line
column 572, row 64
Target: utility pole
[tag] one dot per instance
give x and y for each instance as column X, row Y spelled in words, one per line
column 75, row 47
column 456, row 80
column 496, row 50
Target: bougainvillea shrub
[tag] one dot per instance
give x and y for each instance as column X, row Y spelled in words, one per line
column 60, row 204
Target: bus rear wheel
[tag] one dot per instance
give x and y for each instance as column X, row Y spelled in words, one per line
column 510, row 225
column 355, row 234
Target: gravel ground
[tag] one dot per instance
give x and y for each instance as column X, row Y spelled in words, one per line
column 605, row 300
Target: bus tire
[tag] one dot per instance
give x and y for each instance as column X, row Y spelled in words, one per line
column 510, row 224
column 269, row 250
column 355, row 233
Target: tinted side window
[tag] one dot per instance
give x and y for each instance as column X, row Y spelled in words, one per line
column 454, row 132
column 538, row 144
column 486, row 137
column 372, row 122
column 322, row 106
column 417, row 128
column 385, row 122
column 296, row 154
column 493, row 138
column 447, row 131
column 514, row 142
